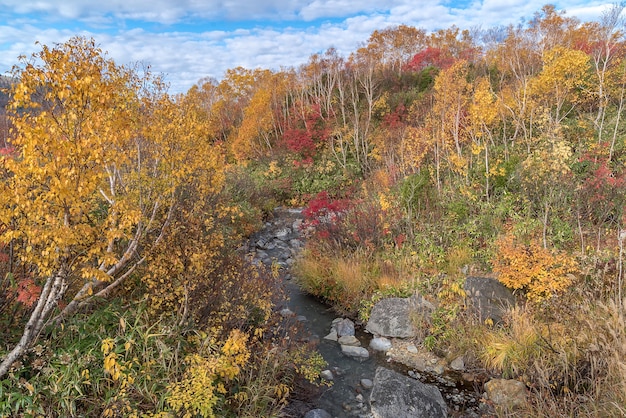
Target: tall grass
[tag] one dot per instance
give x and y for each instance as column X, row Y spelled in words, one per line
column 341, row 280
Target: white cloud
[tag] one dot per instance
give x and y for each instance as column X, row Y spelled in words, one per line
column 186, row 54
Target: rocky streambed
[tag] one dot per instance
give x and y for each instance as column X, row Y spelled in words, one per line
column 376, row 370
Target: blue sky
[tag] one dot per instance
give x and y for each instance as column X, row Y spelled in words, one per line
column 187, row 40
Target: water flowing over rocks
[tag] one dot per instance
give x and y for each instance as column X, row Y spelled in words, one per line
column 280, row 239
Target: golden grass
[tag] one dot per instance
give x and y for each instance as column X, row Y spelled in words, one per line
column 511, row 349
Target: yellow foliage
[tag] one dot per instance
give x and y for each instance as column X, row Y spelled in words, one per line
column 538, row 271
column 203, row 384
column 273, row 170
column 416, row 144
column 309, row 364
column 562, row 74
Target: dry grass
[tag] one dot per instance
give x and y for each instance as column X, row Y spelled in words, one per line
column 577, row 369
column 511, row 349
column 346, row 280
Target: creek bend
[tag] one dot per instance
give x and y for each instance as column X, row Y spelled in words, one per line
column 279, row 242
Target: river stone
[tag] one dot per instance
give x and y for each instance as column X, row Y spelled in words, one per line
column 380, row 344
column 506, row 392
column 397, row 396
column 367, row 383
column 286, row 312
column 283, row 232
column 489, row 298
column 458, row 364
column 317, row 413
column 332, row 336
column 391, row 317
column 295, row 245
column 344, row 327
column 349, row 340
column 327, row 375
column 297, row 225
column 353, row 351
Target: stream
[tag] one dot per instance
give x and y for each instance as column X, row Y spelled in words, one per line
column 279, row 242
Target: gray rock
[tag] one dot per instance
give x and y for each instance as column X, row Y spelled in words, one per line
column 317, row 413
column 415, row 375
column 286, row 312
column 488, row 297
column 266, row 243
column 506, row 392
column 398, row 396
column 458, row 364
column 392, row 317
column 297, row 225
column 344, row 327
column 295, row 245
column 353, row 351
column 438, row 369
column 380, row 344
column 349, row 340
column 332, row 336
column 367, row 383
column 283, row 232
column 327, row 375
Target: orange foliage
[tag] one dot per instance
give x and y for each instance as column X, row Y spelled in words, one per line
column 538, row 271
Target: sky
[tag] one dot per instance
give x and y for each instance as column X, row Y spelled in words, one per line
column 186, row 40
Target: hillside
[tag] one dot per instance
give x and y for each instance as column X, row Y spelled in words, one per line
column 423, row 161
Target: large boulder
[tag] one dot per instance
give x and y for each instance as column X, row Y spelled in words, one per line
column 397, row 396
column 394, row 317
column 489, row 298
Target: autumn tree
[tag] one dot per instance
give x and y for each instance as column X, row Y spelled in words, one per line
column 482, row 116
column 560, row 83
column 89, row 191
column 517, row 62
column 550, row 28
column 393, row 47
column 257, row 132
column 449, row 112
